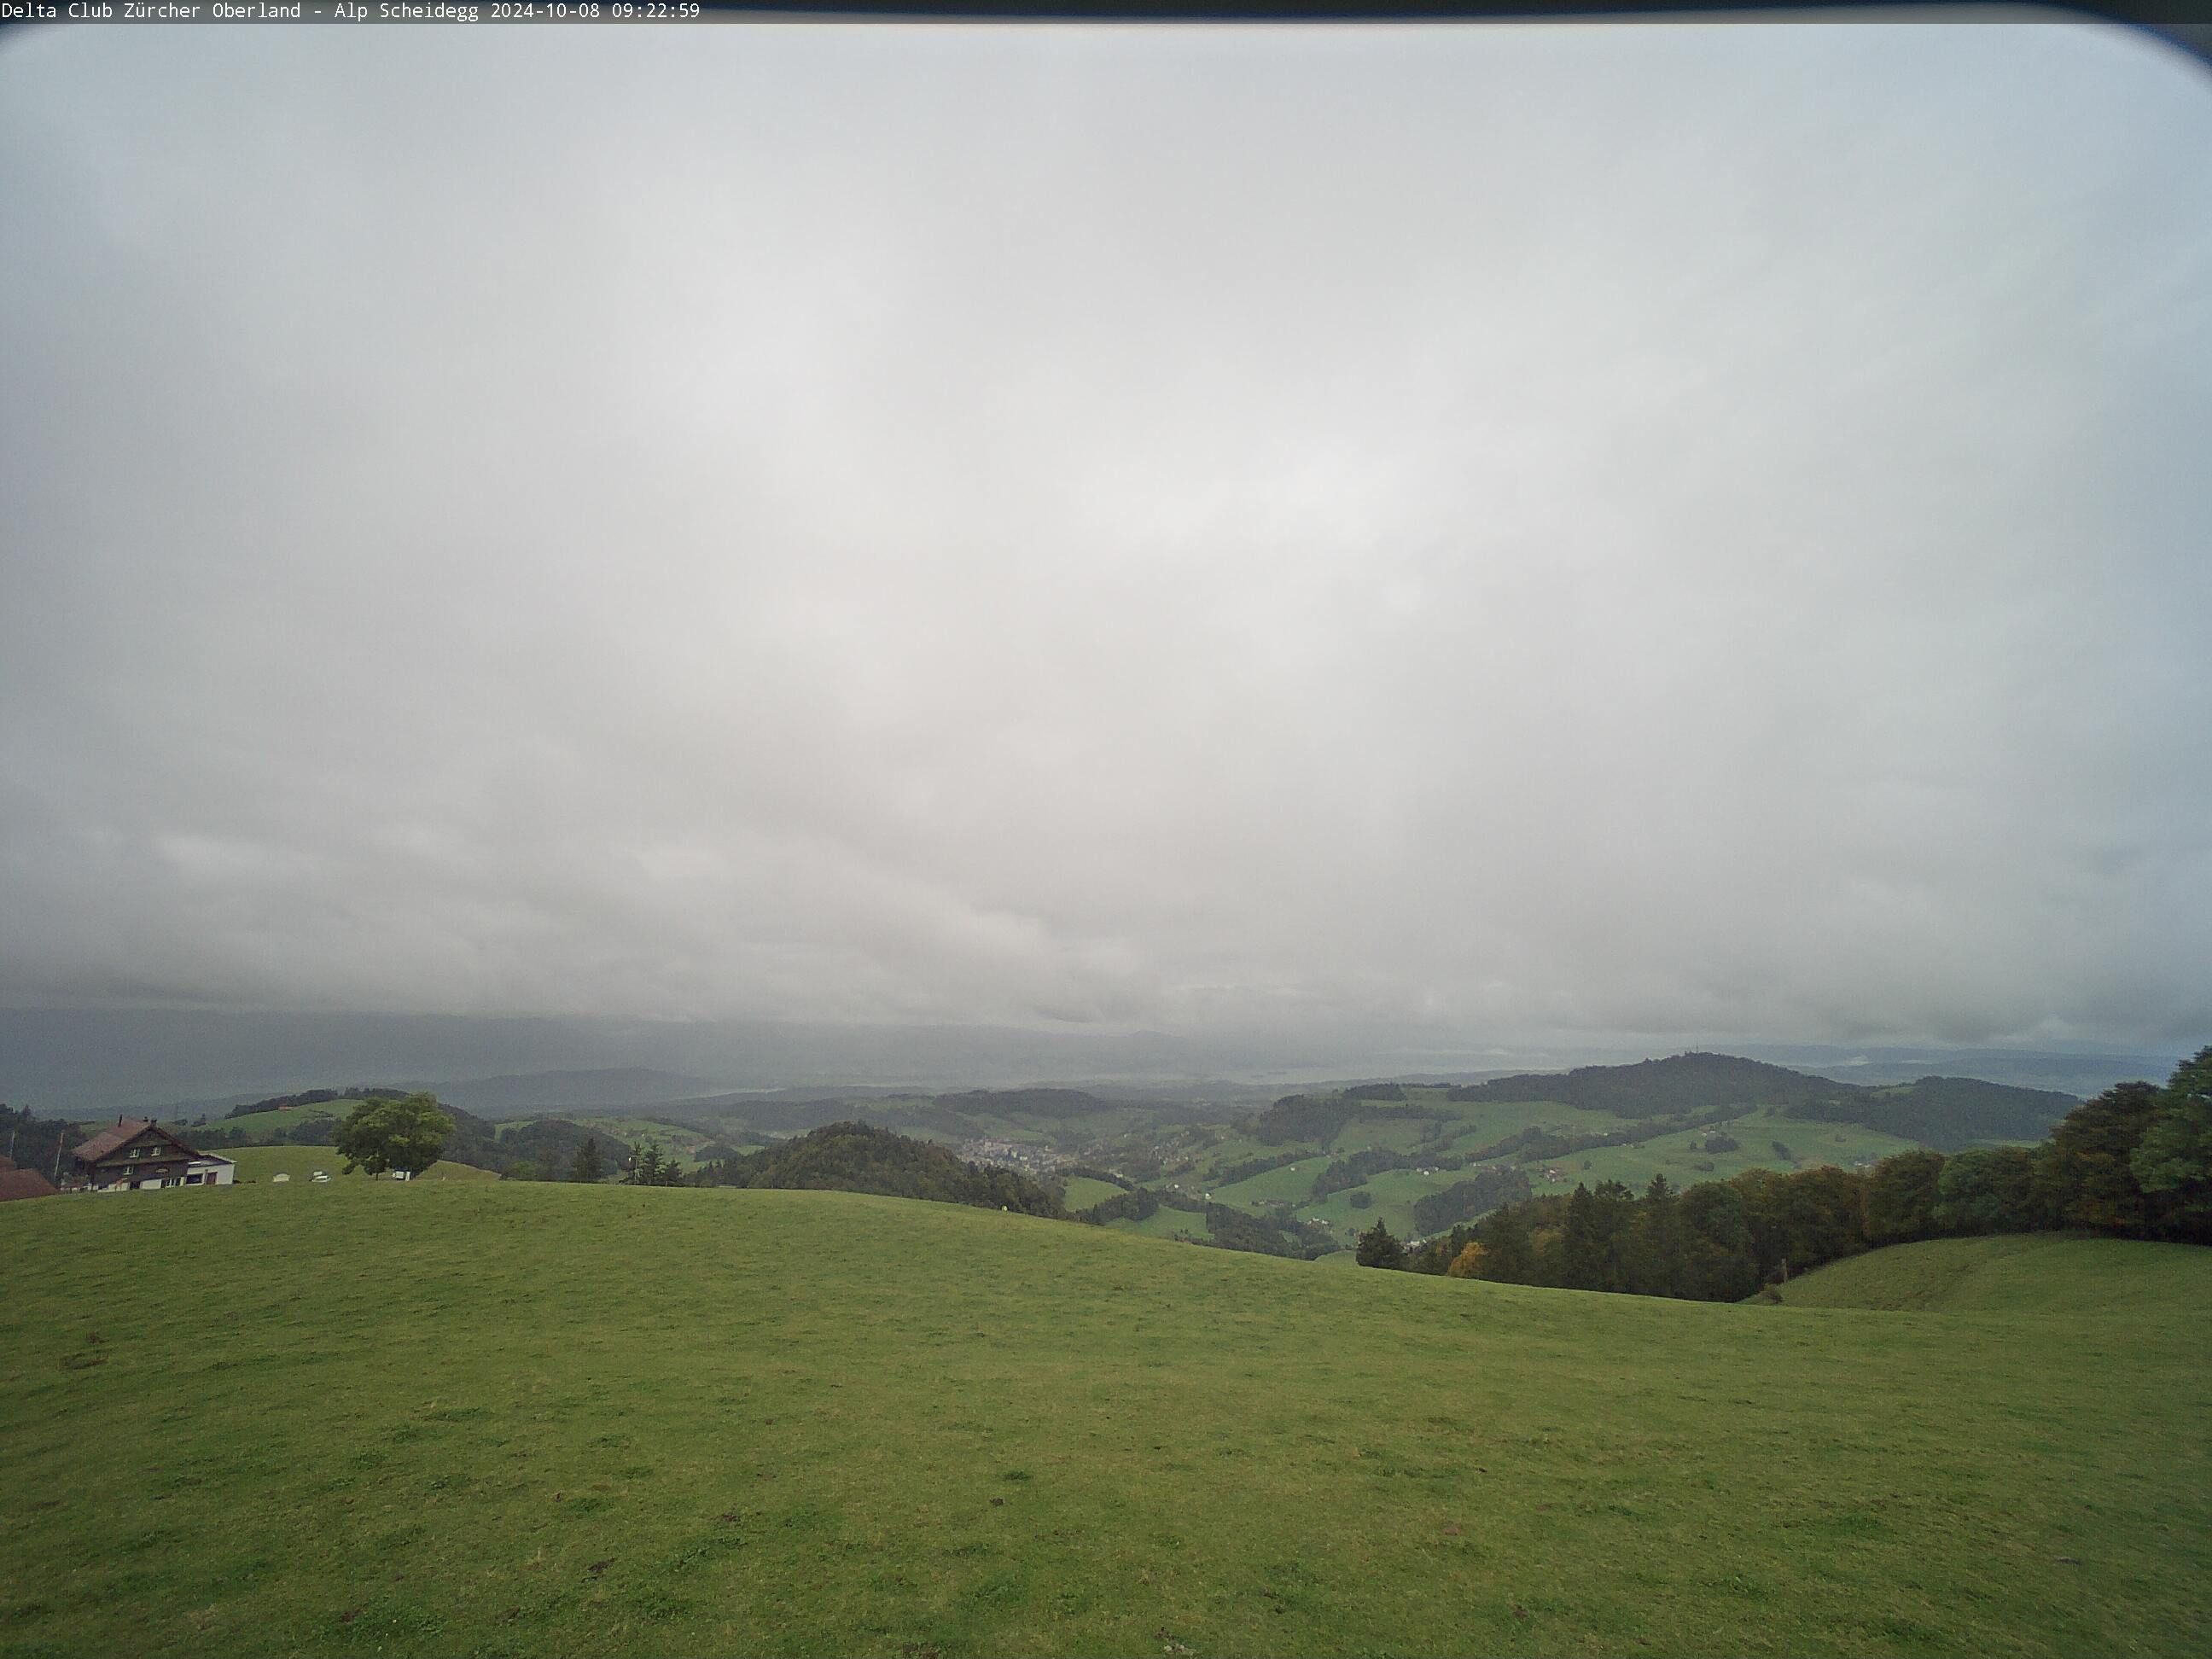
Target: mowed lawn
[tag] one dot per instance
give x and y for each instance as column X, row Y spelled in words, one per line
column 505, row 1418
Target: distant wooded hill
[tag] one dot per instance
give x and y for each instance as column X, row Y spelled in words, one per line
column 317, row 1097
column 1944, row 1112
column 856, row 1157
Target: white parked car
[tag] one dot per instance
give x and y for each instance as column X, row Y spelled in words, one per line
column 320, row 1175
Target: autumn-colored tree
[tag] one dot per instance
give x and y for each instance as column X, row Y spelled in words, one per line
column 1467, row 1264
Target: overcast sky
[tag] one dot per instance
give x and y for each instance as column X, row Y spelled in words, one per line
column 1662, row 530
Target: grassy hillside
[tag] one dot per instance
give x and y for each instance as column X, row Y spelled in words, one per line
column 434, row 1420
column 2025, row 1274
column 259, row 1163
column 1083, row 1192
column 1440, row 1127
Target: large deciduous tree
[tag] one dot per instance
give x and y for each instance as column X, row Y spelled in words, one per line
column 1720, row 1262
column 406, row 1133
column 2084, row 1177
column 2173, row 1164
column 1900, row 1198
column 1988, row 1189
column 1467, row 1264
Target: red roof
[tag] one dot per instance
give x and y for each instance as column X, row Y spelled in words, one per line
column 24, row 1183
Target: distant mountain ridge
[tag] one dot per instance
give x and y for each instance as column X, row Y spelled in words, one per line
column 1944, row 1112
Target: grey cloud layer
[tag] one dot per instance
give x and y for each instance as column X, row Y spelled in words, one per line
column 1668, row 531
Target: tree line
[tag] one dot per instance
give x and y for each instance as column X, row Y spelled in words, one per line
column 317, row 1097
column 2136, row 1162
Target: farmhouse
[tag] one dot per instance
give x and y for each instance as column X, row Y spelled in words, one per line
column 136, row 1155
column 21, row 1183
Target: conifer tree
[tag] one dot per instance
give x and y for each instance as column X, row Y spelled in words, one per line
column 1378, row 1249
column 1582, row 1250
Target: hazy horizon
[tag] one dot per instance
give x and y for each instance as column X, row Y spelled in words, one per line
column 1304, row 544
column 84, row 1062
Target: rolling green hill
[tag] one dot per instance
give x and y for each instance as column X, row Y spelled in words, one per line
column 2022, row 1273
column 1691, row 1117
column 501, row 1418
column 856, row 1157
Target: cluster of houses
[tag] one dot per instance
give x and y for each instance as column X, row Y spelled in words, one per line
column 1012, row 1155
column 133, row 1155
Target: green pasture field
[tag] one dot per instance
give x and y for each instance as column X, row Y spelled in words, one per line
column 1293, row 1181
column 429, row 1421
column 259, row 1163
column 267, row 1122
column 1679, row 1156
column 1083, row 1192
column 1239, row 1148
column 1394, row 1192
column 1095, row 1125
column 2017, row 1274
column 1483, row 1121
column 1165, row 1222
column 676, row 1142
column 1397, row 1134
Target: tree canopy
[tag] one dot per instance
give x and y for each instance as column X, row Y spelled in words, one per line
column 1378, row 1249
column 2173, row 1161
column 408, row 1134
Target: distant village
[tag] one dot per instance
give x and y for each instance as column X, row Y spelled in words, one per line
column 1030, row 1160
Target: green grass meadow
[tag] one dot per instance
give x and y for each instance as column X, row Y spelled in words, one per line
column 1165, row 1222
column 258, row 1164
column 270, row 1122
column 1681, row 1157
column 2023, row 1274
column 517, row 1418
column 1083, row 1192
